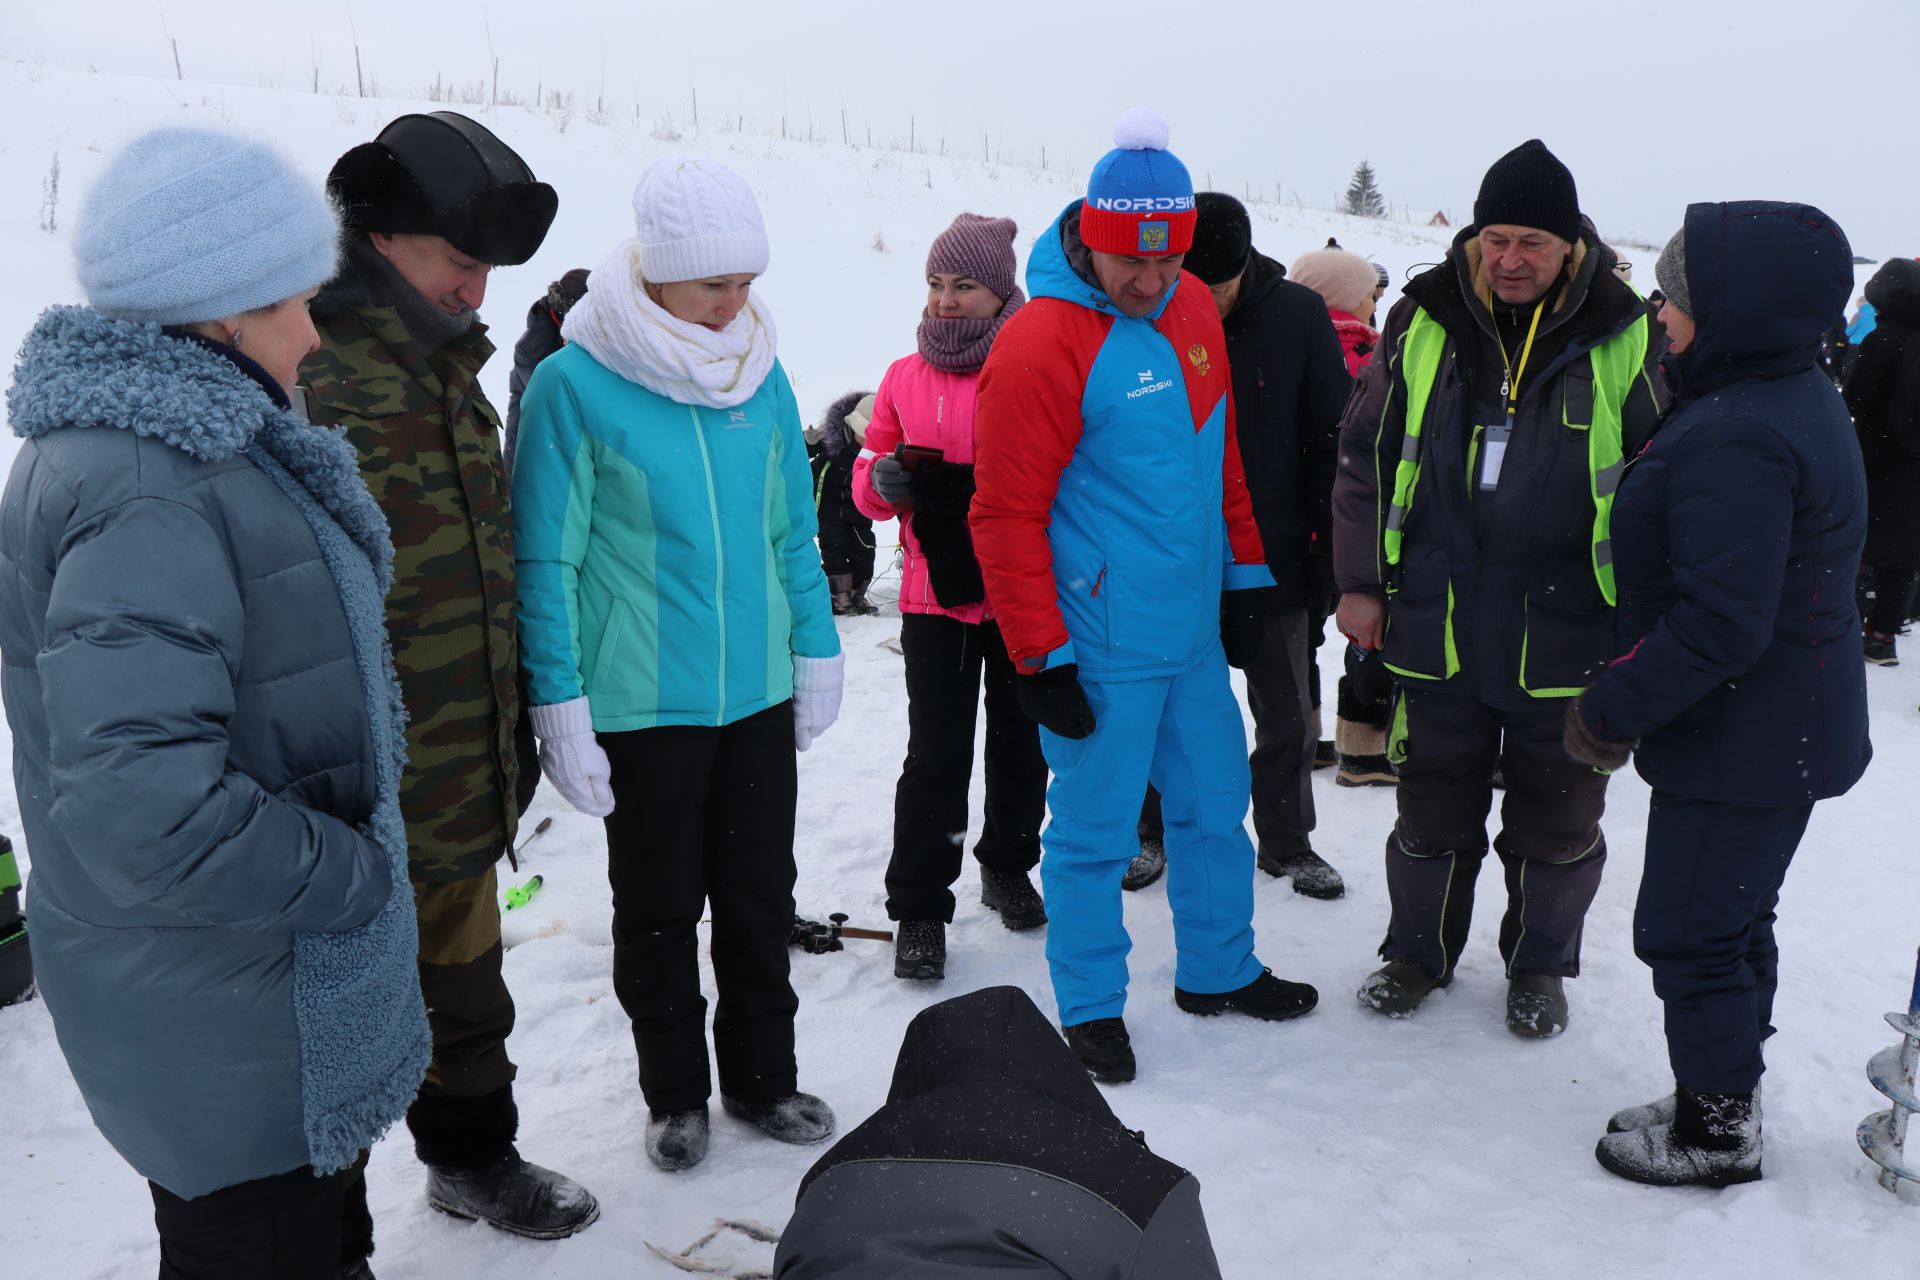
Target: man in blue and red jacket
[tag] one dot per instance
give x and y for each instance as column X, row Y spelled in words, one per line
column 1117, row 542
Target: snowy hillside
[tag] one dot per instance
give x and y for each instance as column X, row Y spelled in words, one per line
column 1343, row 1145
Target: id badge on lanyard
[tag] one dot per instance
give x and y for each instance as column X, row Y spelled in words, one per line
column 1493, row 452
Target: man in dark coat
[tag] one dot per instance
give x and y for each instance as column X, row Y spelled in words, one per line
column 1471, row 518
column 994, row 1152
column 1289, row 384
column 1739, row 528
column 846, row 533
column 1883, row 393
column 540, row 340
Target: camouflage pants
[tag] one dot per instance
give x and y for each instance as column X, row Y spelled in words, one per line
column 468, row 1005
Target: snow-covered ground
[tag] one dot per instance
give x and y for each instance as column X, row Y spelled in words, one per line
column 1341, row 1145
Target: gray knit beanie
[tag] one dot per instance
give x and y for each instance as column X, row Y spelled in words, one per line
column 1671, row 272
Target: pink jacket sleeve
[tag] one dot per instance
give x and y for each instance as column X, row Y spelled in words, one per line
column 883, row 434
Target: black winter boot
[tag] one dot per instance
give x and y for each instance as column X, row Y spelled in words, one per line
column 474, row 1171
column 514, row 1196
column 1268, row 998
column 1011, row 893
column 1397, row 987
column 1312, row 875
column 1147, row 866
column 359, row 1269
column 799, row 1118
column 1656, row 1112
column 1536, row 1005
column 677, row 1140
column 1713, row 1140
column 920, row 951
column 840, row 593
column 857, row 603
column 1104, row 1049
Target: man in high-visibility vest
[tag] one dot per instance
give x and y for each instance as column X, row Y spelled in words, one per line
column 1471, row 547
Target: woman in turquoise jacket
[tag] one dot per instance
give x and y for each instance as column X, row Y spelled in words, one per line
column 678, row 639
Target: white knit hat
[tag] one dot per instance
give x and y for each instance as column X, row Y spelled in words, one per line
column 696, row 219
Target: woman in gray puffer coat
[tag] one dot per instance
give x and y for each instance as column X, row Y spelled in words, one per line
column 206, row 727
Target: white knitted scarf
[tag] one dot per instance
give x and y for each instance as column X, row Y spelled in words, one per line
column 629, row 333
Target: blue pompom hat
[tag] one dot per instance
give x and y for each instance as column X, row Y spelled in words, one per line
column 189, row 225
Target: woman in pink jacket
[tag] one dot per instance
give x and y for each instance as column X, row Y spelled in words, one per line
column 947, row 632
column 1349, row 284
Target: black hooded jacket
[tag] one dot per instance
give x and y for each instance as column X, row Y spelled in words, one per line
column 1738, row 529
column 1883, row 393
column 1289, row 384
column 994, row 1152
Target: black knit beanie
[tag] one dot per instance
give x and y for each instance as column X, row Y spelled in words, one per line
column 1529, row 187
column 1222, row 238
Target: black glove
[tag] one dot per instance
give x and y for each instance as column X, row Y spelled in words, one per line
column 1242, row 615
column 890, row 480
column 1054, row 700
column 1588, row 747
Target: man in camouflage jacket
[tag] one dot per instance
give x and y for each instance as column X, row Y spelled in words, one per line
column 430, row 208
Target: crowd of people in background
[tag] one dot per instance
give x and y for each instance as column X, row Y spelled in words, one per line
column 280, row 696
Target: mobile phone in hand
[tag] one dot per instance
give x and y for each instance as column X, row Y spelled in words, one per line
column 913, row 457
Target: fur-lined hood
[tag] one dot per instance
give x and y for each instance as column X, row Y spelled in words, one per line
column 79, row 370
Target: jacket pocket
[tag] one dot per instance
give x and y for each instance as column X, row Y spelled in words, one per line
column 1419, row 641
column 605, row 682
column 1568, row 634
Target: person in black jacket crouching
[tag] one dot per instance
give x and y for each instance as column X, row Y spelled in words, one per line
column 994, row 1152
column 1741, row 690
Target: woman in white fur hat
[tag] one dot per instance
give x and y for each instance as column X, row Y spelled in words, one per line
column 678, row 639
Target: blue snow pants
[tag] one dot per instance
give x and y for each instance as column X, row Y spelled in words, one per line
column 1184, row 734
column 1704, row 925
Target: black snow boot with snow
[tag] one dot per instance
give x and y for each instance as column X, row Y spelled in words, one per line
column 1397, row 988
column 1268, row 998
column 358, row 1269
column 1104, row 1049
column 799, row 1118
column 1536, row 1005
column 1657, row 1112
column 1147, row 866
column 513, row 1195
column 1311, row 874
column 677, row 1140
column 1713, row 1140
column 1011, row 893
column 920, row 951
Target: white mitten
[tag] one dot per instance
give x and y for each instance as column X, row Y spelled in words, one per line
column 816, row 696
column 571, row 757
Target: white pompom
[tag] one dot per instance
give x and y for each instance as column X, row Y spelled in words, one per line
column 1141, row 129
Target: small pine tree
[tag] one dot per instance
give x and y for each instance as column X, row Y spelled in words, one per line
column 1363, row 194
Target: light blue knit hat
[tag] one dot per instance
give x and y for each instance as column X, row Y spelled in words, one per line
column 188, row 225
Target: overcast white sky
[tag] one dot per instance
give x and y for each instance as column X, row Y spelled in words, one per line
column 1652, row 103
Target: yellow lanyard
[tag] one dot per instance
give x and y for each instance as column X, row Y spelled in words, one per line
column 1510, row 385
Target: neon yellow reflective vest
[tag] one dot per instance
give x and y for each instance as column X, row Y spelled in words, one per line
column 1616, row 365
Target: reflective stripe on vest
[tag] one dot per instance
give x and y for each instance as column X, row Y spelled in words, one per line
column 1616, row 363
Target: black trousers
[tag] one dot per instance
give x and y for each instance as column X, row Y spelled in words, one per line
column 1281, row 698
column 704, row 816
column 292, row 1226
column 946, row 662
column 1704, row 925
column 1550, row 841
column 1892, row 599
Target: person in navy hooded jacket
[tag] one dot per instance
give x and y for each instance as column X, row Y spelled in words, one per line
column 1741, row 690
column 1117, row 542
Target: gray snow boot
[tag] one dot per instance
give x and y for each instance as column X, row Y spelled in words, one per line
column 1397, row 987
column 1311, row 875
column 515, row 1196
column 799, row 1118
column 1713, row 1140
column 677, row 1140
column 1147, row 866
column 1536, row 1005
